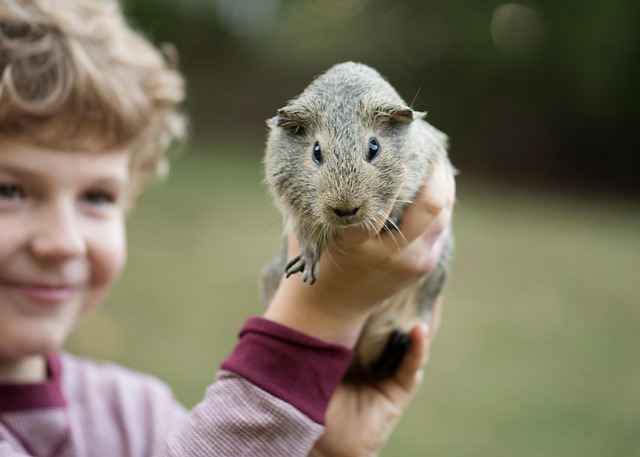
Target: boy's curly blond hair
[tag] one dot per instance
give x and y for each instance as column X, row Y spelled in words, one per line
column 73, row 70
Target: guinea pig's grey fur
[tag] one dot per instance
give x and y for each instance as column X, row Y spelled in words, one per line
column 337, row 155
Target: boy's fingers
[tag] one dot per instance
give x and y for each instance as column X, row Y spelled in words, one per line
column 293, row 246
column 408, row 377
column 437, row 194
column 425, row 252
column 436, row 317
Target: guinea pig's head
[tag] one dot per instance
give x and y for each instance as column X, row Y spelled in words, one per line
column 337, row 161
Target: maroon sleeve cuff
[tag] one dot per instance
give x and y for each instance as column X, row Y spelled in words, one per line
column 299, row 369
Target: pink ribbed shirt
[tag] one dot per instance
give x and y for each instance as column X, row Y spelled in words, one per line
column 269, row 399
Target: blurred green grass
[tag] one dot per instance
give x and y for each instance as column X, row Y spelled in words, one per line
column 539, row 351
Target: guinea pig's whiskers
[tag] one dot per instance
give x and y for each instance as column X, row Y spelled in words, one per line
column 374, row 224
column 370, row 226
column 406, row 202
column 330, row 241
column 333, row 261
column 392, row 229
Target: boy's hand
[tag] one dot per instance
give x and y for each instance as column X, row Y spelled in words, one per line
column 375, row 408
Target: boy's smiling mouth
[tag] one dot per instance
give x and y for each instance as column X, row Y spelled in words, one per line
column 42, row 294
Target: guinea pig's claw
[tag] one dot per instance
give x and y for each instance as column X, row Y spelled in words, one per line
column 300, row 265
column 310, row 271
column 295, row 266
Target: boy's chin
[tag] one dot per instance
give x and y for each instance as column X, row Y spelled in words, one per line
column 37, row 344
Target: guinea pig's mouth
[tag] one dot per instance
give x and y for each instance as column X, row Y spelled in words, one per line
column 345, row 216
column 347, row 222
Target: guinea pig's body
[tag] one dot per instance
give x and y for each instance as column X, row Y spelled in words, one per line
column 338, row 155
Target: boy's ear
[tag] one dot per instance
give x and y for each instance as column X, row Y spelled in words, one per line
column 398, row 114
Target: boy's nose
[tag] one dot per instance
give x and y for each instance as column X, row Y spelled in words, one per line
column 59, row 235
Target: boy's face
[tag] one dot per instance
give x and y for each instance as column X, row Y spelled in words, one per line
column 62, row 241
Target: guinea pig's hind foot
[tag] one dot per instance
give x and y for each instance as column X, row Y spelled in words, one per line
column 391, row 357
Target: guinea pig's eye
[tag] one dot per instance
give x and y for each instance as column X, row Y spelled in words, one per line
column 374, row 149
column 317, row 153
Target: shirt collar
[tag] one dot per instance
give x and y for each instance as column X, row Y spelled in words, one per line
column 45, row 394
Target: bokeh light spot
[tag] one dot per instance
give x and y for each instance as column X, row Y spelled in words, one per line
column 517, row 29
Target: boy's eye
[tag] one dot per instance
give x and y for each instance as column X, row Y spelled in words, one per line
column 10, row 191
column 98, row 197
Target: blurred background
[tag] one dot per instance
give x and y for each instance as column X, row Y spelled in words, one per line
column 539, row 351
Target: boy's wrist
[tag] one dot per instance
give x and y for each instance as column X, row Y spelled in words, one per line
column 307, row 309
column 296, row 368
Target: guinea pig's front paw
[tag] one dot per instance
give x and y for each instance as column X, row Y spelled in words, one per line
column 308, row 269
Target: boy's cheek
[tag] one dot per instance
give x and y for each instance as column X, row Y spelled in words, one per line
column 114, row 266
column 109, row 259
column 100, row 289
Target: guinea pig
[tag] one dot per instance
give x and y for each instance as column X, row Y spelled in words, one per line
column 339, row 154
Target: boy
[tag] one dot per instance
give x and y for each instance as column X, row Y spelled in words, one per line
column 88, row 109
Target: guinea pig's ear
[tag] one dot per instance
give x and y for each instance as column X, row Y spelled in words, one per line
column 398, row 114
column 291, row 120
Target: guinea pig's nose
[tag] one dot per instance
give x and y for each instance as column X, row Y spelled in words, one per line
column 341, row 212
